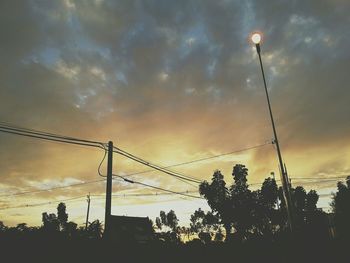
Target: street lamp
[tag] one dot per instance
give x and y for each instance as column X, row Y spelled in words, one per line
column 256, row 38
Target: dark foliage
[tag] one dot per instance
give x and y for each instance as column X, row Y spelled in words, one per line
column 260, row 213
column 253, row 223
column 341, row 209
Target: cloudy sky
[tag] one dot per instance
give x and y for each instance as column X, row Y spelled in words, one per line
column 169, row 81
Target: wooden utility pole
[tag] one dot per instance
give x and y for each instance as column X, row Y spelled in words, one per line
column 88, row 211
column 108, row 207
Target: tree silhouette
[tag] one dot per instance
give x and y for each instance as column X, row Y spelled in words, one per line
column 50, row 222
column 163, row 218
column 22, row 227
column 59, row 223
column 315, row 219
column 218, row 198
column 237, row 206
column 299, row 204
column 159, row 223
column 267, row 217
column 185, row 231
column 62, row 216
column 3, row 228
column 54, row 227
column 243, row 203
column 311, row 200
column 341, row 208
column 309, row 221
column 269, row 193
column 257, row 212
column 206, row 225
column 95, row 230
column 70, row 229
column 170, row 221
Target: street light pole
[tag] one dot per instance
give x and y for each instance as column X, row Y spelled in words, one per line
column 256, row 38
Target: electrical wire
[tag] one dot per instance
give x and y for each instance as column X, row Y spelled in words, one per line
column 156, row 187
column 219, row 155
column 7, row 128
column 5, row 125
column 48, row 138
column 316, row 183
column 102, row 180
column 156, row 167
column 203, row 159
column 57, row 138
column 188, row 183
column 41, row 204
column 321, row 178
column 99, row 166
column 11, row 129
column 52, row 188
column 299, row 180
column 181, row 177
column 115, row 195
column 145, row 194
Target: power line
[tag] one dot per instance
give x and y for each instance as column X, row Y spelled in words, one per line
column 156, row 187
column 321, row 178
column 156, row 167
column 318, row 182
column 203, row 159
column 299, row 180
column 99, row 172
column 101, row 180
column 55, row 138
column 41, row 204
column 169, row 192
column 146, row 194
column 43, row 133
column 65, row 139
column 47, row 138
column 52, row 188
column 99, row 166
column 9, row 128
column 190, row 199
column 219, row 155
column 181, row 177
column 186, row 193
column 176, row 174
column 58, row 138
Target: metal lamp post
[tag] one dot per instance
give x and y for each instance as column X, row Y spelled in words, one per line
column 256, row 38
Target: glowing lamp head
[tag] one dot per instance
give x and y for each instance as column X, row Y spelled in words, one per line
column 256, row 38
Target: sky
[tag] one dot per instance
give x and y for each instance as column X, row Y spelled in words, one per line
column 171, row 82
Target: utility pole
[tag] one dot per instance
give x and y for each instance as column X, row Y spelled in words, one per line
column 256, row 38
column 284, row 176
column 108, row 207
column 88, row 211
